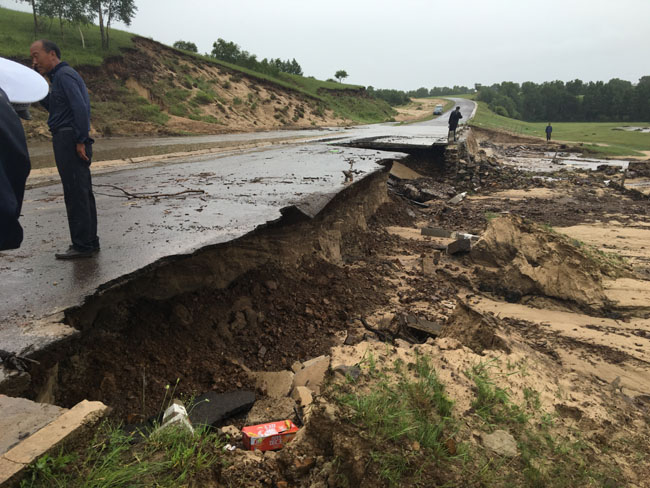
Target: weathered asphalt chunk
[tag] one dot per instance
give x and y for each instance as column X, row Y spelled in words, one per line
column 212, row 407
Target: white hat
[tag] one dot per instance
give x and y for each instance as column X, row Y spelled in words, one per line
column 20, row 83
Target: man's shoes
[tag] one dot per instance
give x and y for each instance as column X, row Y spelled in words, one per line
column 73, row 253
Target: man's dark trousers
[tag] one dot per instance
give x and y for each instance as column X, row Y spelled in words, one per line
column 77, row 189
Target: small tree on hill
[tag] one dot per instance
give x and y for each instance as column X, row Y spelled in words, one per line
column 186, row 46
column 341, row 75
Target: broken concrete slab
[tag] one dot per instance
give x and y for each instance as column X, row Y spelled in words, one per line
column 423, row 325
column 270, row 409
column 435, row 232
column 70, row 422
column 21, row 418
column 459, row 246
column 402, row 172
column 312, row 374
column 212, row 407
column 275, row 384
column 302, row 395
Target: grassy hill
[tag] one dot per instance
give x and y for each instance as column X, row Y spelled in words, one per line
column 181, row 92
column 603, row 138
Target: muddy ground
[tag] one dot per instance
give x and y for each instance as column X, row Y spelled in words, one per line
column 552, row 301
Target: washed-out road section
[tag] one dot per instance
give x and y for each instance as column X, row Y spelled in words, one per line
column 231, row 195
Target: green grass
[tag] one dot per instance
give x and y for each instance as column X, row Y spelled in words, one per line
column 17, row 34
column 598, row 137
column 403, row 412
column 170, row 458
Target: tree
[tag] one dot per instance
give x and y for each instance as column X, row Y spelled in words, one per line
column 120, row 10
column 341, row 75
column 76, row 12
column 186, row 46
column 33, row 4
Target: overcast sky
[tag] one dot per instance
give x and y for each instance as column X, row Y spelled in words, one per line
column 411, row 43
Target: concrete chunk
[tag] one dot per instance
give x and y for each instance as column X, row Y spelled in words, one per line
column 435, row 232
column 302, row 395
column 312, row 374
column 275, row 383
column 27, row 451
column 458, row 246
column 21, row 418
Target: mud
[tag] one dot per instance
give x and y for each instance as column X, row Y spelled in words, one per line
column 527, row 297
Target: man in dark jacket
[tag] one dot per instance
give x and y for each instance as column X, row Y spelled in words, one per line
column 14, row 169
column 454, row 117
column 549, row 130
column 69, row 121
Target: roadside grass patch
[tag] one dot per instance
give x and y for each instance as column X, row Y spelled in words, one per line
column 545, row 458
column 410, row 409
column 170, row 458
column 598, row 138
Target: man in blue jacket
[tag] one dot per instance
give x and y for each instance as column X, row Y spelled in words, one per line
column 69, row 122
column 14, row 168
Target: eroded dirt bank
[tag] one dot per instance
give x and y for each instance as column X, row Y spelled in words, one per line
column 542, row 331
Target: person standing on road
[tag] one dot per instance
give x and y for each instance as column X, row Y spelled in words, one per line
column 69, row 121
column 549, row 130
column 454, row 117
column 14, row 169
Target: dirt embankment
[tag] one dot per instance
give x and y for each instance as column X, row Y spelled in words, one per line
column 155, row 90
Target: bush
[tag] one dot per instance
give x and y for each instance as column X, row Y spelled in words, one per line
column 203, row 98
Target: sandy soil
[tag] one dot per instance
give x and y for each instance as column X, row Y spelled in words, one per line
column 418, row 109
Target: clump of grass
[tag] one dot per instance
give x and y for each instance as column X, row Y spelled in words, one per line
column 406, row 410
column 172, row 457
column 203, row 98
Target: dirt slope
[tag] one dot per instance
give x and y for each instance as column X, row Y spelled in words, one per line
column 153, row 89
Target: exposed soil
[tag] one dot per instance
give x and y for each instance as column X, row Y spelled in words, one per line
column 527, row 298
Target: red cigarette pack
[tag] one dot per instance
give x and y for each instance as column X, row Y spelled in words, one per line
column 268, row 437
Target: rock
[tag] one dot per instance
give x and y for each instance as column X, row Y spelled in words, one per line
column 276, row 384
column 271, row 285
column 232, row 432
column 435, row 232
column 182, row 314
column 302, row 395
column 296, row 366
column 500, row 442
column 458, row 246
column 423, row 325
column 212, row 407
column 312, row 374
column 271, row 409
column 458, row 198
column 353, row 371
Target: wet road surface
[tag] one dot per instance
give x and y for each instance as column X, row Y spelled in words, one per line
column 238, row 192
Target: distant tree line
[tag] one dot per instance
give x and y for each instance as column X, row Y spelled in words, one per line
column 232, row 53
column 82, row 12
column 573, row 101
column 399, row 97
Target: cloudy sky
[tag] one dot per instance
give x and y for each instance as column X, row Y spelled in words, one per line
column 411, row 43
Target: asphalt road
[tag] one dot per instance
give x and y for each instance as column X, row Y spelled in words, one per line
column 235, row 193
